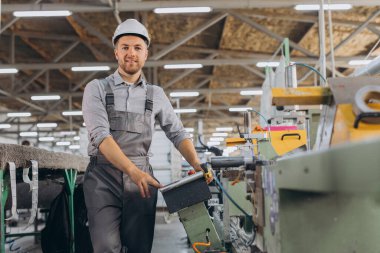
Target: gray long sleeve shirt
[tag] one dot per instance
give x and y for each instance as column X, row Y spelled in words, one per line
column 129, row 98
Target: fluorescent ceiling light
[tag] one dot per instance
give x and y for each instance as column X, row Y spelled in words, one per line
column 189, row 129
column 224, row 129
column 50, row 97
column 220, row 134
column 91, row 68
column 239, row 109
column 47, row 138
column 8, row 71
column 19, row 114
column 216, row 139
column 23, row 14
column 185, row 110
column 28, row 134
column 182, row 10
column 213, row 143
column 62, row 143
column 76, row 138
column 183, row 66
column 316, row 7
column 185, row 94
column 47, row 124
column 359, row 62
column 67, row 133
column 74, row 147
column 263, row 64
column 251, row 92
column 72, row 113
column 2, row 126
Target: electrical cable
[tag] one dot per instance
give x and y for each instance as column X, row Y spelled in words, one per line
column 311, row 68
column 228, row 195
column 247, row 216
column 266, row 121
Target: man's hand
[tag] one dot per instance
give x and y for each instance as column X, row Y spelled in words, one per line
column 143, row 180
column 207, row 174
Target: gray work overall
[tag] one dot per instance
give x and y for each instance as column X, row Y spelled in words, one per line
column 119, row 218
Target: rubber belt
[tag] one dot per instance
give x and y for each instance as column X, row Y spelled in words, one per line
column 34, row 193
column 12, row 172
column 25, row 177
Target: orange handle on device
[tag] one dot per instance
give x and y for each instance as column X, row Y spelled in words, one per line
column 196, row 244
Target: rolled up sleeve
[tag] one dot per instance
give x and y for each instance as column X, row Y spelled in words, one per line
column 169, row 121
column 95, row 115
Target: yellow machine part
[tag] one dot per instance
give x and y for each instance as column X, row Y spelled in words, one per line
column 286, row 141
column 282, row 141
column 301, row 96
column 344, row 130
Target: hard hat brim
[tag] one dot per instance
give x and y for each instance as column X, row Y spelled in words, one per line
column 146, row 40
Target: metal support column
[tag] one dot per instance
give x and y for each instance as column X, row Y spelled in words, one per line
column 3, row 196
column 70, row 179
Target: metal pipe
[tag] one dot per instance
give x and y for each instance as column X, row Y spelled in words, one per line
column 322, row 42
column 234, row 161
column 370, row 69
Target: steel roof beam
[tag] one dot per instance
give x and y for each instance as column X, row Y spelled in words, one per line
column 150, row 5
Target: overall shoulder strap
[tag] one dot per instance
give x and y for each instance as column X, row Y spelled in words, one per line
column 110, row 100
column 149, row 99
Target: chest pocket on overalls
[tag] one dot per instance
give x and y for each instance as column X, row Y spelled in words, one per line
column 135, row 122
column 127, row 121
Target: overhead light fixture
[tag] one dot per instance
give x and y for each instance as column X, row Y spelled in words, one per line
column 185, row 110
column 220, row 134
column 182, row 10
column 183, row 66
column 359, row 62
column 239, row 109
column 74, row 147
column 185, row 94
column 3, row 126
column 19, row 114
column 67, row 133
column 263, row 64
column 47, row 97
column 47, row 125
column 91, row 68
column 316, row 7
column 29, row 14
column 213, row 143
column 28, row 134
column 76, row 138
column 189, row 129
column 216, row 139
column 46, row 138
column 8, row 71
column 224, row 129
column 62, row 143
column 251, row 92
column 72, row 113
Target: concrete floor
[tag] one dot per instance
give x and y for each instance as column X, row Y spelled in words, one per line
column 169, row 237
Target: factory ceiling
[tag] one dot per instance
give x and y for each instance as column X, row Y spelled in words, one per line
column 228, row 41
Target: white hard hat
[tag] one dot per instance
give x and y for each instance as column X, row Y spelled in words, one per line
column 131, row 27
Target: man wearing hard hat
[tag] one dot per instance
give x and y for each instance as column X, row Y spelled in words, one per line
column 120, row 112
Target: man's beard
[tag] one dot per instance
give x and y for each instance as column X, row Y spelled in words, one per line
column 131, row 70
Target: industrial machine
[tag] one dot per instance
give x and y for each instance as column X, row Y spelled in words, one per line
column 291, row 190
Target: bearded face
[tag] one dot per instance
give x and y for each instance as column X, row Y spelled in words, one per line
column 131, row 53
